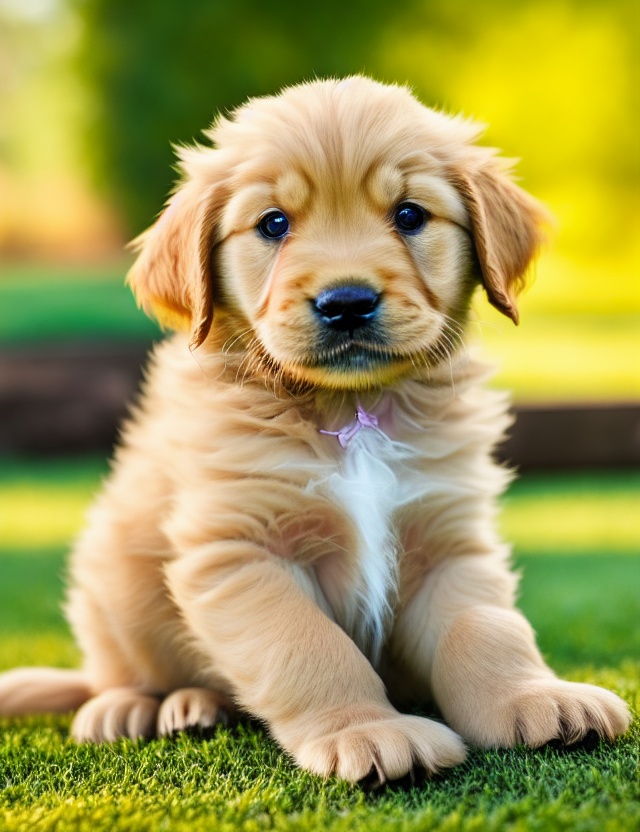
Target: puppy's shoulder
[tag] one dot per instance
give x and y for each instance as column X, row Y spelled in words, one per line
column 454, row 400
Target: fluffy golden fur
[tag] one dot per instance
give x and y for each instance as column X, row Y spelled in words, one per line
column 238, row 556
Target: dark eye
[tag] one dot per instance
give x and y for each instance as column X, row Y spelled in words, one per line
column 273, row 225
column 409, row 218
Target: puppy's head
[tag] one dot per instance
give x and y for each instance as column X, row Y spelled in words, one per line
column 338, row 230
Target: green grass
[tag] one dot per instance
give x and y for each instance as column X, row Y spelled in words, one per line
column 49, row 305
column 592, row 513
column 555, row 355
column 238, row 780
column 583, row 600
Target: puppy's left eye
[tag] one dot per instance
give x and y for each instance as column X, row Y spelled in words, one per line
column 409, row 218
column 273, row 225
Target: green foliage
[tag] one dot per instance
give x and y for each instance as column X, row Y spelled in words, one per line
column 554, row 80
column 161, row 71
column 582, row 606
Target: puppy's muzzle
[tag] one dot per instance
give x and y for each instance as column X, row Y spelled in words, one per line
column 347, row 308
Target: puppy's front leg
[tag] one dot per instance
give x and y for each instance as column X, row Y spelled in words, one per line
column 290, row 665
column 479, row 657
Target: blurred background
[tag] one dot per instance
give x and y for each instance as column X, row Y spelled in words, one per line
column 94, row 93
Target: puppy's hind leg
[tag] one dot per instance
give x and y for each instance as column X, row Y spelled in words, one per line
column 131, row 641
column 115, row 713
column 122, row 703
column 121, row 708
column 37, row 690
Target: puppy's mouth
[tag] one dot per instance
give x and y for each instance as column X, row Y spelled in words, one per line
column 354, row 361
column 352, row 355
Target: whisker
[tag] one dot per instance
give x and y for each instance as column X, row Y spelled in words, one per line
column 226, row 347
column 246, row 359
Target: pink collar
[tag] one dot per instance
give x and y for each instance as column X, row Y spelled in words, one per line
column 361, row 420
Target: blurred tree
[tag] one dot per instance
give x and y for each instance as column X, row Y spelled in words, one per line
column 161, row 71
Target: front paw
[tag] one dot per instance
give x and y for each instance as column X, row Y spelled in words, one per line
column 543, row 710
column 381, row 746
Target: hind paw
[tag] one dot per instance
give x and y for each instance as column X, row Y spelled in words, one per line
column 115, row 713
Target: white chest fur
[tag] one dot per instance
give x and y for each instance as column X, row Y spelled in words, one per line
column 443, row 478
column 368, row 485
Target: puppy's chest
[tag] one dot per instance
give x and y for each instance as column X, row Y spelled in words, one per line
column 368, row 484
column 372, row 478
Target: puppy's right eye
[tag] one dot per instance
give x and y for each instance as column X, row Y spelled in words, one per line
column 274, row 225
column 409, row 218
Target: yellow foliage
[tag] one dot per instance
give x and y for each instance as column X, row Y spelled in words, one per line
column 554, row 81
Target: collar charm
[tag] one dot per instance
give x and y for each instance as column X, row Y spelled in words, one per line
column 361, row 420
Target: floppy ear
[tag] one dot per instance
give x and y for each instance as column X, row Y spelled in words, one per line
column 171, row 278
column 507, row 230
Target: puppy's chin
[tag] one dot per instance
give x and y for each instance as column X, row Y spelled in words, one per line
column 353, row 368
column 357, row 364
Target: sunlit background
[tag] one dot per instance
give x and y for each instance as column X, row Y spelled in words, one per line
column 94, row 92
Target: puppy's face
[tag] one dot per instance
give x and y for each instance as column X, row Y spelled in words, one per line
column 350, row 259
column 342, row 228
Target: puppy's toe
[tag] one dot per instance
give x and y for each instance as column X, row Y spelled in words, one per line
column 115, row 713
column 385, row 750
column 588, row 709
column 554, row 711
column 191, row 708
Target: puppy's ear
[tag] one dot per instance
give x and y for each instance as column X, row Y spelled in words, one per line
column 171, row 278
column 506, row 224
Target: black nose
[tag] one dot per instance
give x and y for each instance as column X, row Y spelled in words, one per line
column 347, row 307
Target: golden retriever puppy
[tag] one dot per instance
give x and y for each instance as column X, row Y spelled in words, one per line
column 300, row 518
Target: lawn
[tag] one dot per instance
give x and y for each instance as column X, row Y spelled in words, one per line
column 576, row 543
